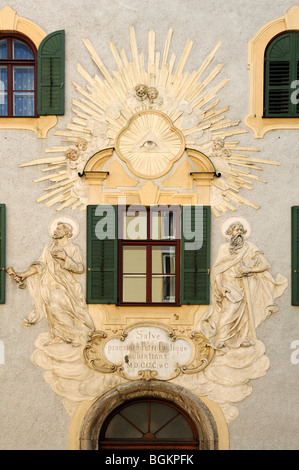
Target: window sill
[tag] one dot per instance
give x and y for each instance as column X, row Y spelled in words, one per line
column 40, row 125
column 152, row 304
column 260, row 125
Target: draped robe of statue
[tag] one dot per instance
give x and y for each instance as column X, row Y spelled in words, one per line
column 227, row 322
column 57, row 295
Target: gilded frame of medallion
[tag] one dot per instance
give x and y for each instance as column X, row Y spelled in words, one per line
column 201, row 356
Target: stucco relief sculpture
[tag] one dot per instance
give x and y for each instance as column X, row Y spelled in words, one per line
column 229, row 325
column 243, row 291
column 243, row 294
column 58, row 298
column 56, row 293
column 112, row 100
column 144, row 92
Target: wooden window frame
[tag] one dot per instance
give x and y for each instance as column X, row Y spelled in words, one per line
column 149, row 242
column 10, row 62
column 12, row 23
column 195, row 293
column 148, row 441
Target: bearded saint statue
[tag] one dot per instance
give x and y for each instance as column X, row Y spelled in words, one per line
column 56, row 292
column 242, row 292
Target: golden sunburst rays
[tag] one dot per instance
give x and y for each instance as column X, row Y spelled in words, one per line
column 189, row 101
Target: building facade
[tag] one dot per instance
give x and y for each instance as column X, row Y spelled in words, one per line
column 149, row 225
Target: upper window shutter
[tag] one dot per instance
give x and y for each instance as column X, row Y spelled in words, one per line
column 195, row 264
column 2, row 253
column 281, row 69
column 50, row 72
column 295, row 255
column 101, row 256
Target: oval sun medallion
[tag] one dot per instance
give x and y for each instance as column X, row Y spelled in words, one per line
column 150, row 144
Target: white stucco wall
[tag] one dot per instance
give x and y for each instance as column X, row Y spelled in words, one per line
column 31, row 415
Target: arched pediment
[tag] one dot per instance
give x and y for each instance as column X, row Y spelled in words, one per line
column 201, row 161
column 95, row 163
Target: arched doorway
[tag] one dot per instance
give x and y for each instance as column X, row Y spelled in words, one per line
column 148, row 424
column 148, row 414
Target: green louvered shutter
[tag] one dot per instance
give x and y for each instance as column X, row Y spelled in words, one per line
column 195, row 263
column 101, row 256
column 281, row 70
column 2, row 253
column 50, row 72
column 295, row 255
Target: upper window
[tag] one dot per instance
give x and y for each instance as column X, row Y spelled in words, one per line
column 273, row 57
column 17, row 76
column 31, row 74
column 281, row 75
column 31, row 80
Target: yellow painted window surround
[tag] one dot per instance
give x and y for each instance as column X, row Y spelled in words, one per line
column 256, row 52
column 11, row 22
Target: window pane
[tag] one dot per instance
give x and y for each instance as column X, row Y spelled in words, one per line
column 137, row 414
column 163, row 288
column 23, row 104
column 3, row 92
column 134, row 259
column 120, row 428
column 134, row 225
column 163, row 225
column 21, row 51
column 163, row 259
column 3, row 103
column 3, row 78
column 134, row 288
column 178, row 428
column 23, row 78
column 160, row 415
column 3, row 49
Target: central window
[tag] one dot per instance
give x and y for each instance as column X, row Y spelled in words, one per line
column 157, row 255
column 149, row 260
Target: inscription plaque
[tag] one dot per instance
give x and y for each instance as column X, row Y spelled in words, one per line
column 148, row 351
column 148, row 348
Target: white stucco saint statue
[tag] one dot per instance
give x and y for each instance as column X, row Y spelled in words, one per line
column 55, row 291
column 242, row 292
